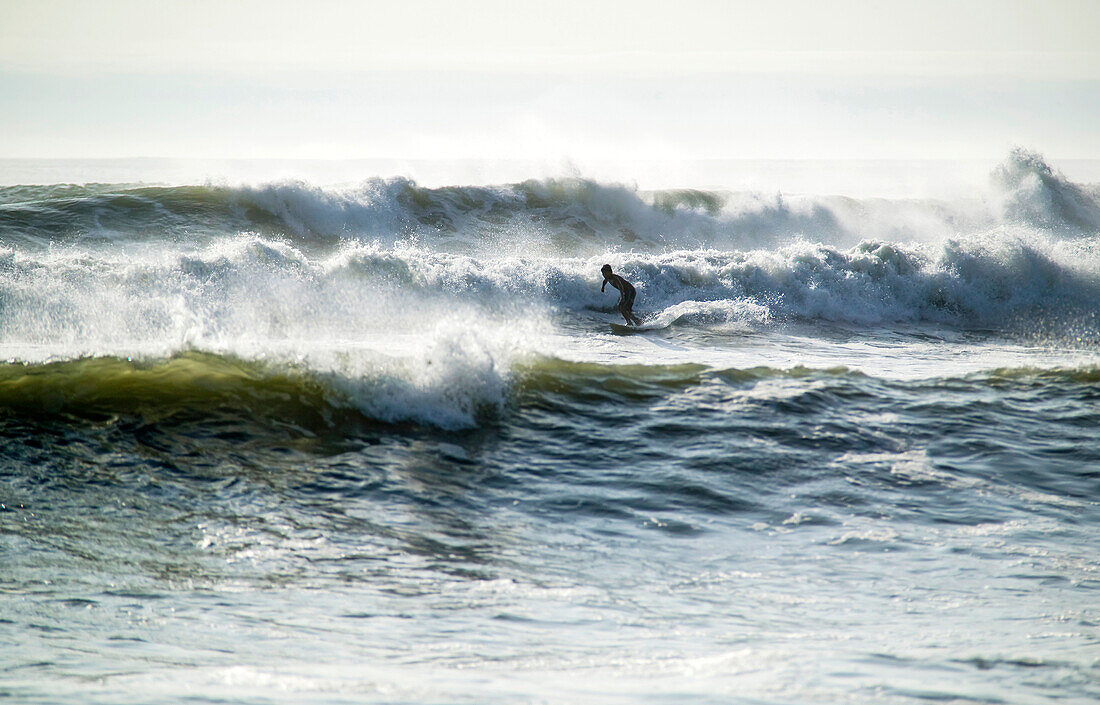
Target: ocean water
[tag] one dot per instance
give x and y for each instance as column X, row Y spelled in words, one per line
column 296, row 442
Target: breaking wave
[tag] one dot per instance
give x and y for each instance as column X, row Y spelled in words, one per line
column 245, row 290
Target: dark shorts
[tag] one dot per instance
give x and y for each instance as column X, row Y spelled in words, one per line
column 627, row 298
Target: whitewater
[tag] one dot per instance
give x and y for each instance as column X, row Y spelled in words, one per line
column 286, row 441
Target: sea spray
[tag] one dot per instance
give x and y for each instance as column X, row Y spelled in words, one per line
column 1033, row 192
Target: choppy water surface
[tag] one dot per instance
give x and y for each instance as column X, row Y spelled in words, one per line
column 378, row 444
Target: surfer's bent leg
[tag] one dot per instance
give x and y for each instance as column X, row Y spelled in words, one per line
column 630, row 309
column 626, row 305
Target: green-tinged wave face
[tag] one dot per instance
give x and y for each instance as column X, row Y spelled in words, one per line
column 185, row 385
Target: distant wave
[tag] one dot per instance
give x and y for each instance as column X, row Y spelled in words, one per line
column 559, row 216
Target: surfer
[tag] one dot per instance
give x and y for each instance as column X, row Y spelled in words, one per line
column 626, row 294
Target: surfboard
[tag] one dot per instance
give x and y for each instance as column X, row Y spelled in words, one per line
column 620, row 329
column 649, row 323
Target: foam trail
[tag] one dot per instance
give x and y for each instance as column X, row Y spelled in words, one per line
column 727, row 314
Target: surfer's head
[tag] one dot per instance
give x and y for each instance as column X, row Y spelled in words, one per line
column 606, row 269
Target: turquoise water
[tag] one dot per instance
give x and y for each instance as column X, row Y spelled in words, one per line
column 297, row 444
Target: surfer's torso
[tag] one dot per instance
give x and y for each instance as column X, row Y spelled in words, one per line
column 626, row 289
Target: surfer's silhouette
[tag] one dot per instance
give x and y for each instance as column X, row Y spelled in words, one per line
column 626, row 294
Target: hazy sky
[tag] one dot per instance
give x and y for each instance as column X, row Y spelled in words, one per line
column 548, row 80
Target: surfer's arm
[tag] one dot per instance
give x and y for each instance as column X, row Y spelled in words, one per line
column 604, row 285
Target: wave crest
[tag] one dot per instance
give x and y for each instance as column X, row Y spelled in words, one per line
column 1035, row 193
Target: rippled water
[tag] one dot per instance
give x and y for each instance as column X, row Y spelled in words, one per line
column 656, row 534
